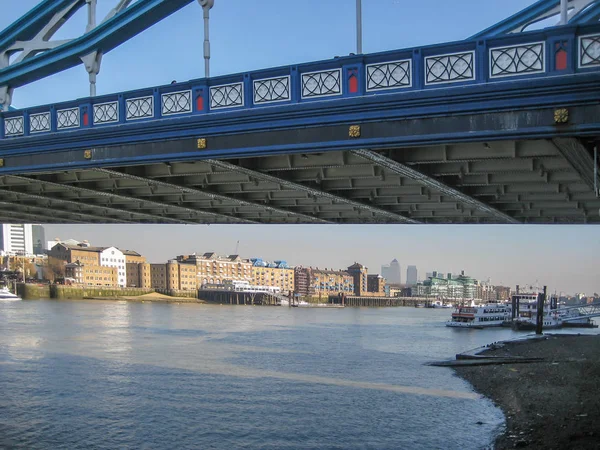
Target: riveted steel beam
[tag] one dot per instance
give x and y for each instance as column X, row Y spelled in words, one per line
column 578, row 158
column 53, row 202
column 33, row 217
column 37, row 213
column 191, row 213
column 213, row 196
column 52, row 206
column 316, row 193
column 432, row 183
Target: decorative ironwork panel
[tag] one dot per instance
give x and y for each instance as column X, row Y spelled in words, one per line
column 227, row 96
column 321, row 84
column 106, row 112
column 67, row 118
column 39, row 122
column 14, row 126
column 139, row 108
column 517, row 60
column 272, row 90
column 450, row 68
column 589, row 51
column 176, row 103
column 391, row 75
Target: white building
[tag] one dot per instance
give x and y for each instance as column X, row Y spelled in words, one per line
column 113, row 257
column 16, row 238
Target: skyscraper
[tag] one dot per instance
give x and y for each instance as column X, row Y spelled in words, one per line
column 411, row 275
column 16, row 238
column 38, row 237
column 391, row 272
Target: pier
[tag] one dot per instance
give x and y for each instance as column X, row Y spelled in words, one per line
column 381, row 302
column 229, row 297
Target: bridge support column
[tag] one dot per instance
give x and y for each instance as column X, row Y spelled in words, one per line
column 92, row 65
column 564, row 11
column 93, row 60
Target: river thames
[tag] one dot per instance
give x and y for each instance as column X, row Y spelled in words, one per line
column 106, row 374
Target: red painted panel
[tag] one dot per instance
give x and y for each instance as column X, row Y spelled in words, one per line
column 353, row 84
column 200, row 103
column 561, row 60
column 86, row 119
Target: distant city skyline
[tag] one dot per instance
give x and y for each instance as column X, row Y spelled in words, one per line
column 562, row 257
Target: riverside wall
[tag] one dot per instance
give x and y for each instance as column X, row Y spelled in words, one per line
column 33, row 291
column 62, row 292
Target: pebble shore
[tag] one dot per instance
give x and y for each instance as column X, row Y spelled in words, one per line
column 551, row 404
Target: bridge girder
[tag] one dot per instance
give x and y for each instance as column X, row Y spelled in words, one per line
column 433, row 184
column 217, row 200
column 103, row 213
column 312, row 191
column 497, row 182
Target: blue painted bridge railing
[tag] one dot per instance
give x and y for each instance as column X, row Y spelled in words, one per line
column 555, row 51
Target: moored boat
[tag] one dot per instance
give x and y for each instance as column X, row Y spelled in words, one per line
column 526, row 314
column 6, row 295
column 480, row 316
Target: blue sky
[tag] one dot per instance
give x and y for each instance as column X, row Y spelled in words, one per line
column 249, row 35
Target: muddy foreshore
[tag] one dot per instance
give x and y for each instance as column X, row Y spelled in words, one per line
column 552, row 404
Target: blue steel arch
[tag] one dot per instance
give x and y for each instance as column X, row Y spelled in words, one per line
column 529, row 15
column 26, row 26
column 145, row 13
column 589, row 15
column 105, row 37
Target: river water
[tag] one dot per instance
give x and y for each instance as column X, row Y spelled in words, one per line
column 106, row 374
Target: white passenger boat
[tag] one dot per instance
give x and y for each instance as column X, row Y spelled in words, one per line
column 480, row 316
column 6, row 295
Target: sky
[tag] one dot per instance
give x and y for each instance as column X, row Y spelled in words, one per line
column 248, row 35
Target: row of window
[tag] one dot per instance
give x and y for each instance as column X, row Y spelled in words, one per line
column 116, row 260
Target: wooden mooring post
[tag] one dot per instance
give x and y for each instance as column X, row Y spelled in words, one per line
column 539, row 325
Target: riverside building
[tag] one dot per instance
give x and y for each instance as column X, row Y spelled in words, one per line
column 92, row 258
column 461, row 287
column 273, row 274
column 313, row 282
column 214, row 269
column 92, row 275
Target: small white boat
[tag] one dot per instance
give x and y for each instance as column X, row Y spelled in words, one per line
column 6, row 295
column 301, row 304
column 440, row 304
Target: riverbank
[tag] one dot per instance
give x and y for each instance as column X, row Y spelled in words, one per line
column 551, row 404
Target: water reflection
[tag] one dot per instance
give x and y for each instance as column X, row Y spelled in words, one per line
column 115, row 322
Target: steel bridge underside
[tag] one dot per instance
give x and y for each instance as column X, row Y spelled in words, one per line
column 518, row 167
